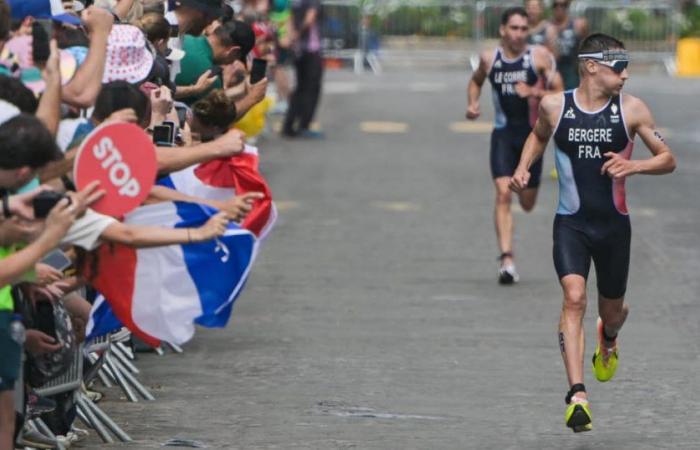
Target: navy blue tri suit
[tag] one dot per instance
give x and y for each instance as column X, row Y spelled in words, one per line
column 592, row 220
column 515, row 116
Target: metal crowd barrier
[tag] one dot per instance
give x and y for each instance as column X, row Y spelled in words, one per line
column 426, row 28
column 649, row 29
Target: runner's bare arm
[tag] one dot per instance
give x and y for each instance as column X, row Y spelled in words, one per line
column 546, row 67
column 475, row 84
column 553, row 81
column 536, row 143
column 639, row 120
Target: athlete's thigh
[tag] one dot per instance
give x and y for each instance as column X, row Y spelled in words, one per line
column 571, row 249
column 503, row 160
column 611, row 257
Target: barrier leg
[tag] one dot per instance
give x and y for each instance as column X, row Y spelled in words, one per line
column 119, row 355
column 120, row 379
column 92, row 420
column 106, row 420
column 133, row 381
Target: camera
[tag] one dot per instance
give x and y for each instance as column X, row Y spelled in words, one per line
column 45, row 201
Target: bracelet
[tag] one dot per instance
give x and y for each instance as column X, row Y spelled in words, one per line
column 6, row 205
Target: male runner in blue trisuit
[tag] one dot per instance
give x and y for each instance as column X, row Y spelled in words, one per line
column 520, row 75
column 594, row 127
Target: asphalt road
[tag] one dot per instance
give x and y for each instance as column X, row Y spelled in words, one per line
column 373, row 319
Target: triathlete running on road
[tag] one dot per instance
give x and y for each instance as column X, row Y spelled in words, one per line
column 520, row 75
column 594, row 127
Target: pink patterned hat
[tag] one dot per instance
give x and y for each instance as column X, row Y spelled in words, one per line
column 128, row 57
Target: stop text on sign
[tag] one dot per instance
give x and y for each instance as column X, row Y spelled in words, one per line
column 119, row 172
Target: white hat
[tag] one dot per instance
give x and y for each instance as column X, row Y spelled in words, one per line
column 7, row 111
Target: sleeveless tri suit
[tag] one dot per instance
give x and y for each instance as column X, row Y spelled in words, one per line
column 592, row 221
column 514, row 116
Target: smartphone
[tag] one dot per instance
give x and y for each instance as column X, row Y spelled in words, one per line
column 40, row 42
column 44, row 319
column 181, row 115
column 58, row 260
column 45, row 201
column 174, row 31
column 215, row 71
column 257, row 72
column 163, row 135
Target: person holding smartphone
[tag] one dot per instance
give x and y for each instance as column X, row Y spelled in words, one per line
column 204, row 56
column 27, row 146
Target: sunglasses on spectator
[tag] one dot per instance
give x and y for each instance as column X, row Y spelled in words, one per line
column 616, row 60
column 560, row 5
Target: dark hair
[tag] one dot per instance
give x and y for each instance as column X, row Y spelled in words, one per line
column 67, row 37
column 155, row 26
column 228, row 13
column 598, row 42
column 25, row 141
column 13, row 91
column 5, row 21
column 216, row 110
column 237, row 33
column 121, row 95
column 510, row 12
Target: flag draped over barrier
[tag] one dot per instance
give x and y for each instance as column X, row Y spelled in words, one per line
column 221, row 179
column 160, row 293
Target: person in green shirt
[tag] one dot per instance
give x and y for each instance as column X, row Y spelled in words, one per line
column 228, row 42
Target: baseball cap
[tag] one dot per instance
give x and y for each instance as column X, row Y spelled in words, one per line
column 42, row 9
column 211, row 8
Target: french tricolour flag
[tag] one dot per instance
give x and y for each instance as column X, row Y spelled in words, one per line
column 160, row 293
column 221, row 179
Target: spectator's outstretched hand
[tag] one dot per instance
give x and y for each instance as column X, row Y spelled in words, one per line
column 21, row 204
column 258, row 90
column 97, row 20
column 231, row 143
column 52, row 69
column 238, row 207
column 204, row 82
column 215, row 227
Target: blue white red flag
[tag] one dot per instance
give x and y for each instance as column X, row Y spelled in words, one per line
column 160, row 293
column 221, row 179
column 102, row 320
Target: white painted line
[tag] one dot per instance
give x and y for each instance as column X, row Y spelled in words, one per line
column 384, row 127
column 340, row 87
column 471, row 127
column 397, row 206
column 286, row 205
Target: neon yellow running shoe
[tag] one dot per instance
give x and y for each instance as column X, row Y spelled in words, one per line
column 605, row 358
column 578, row 416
